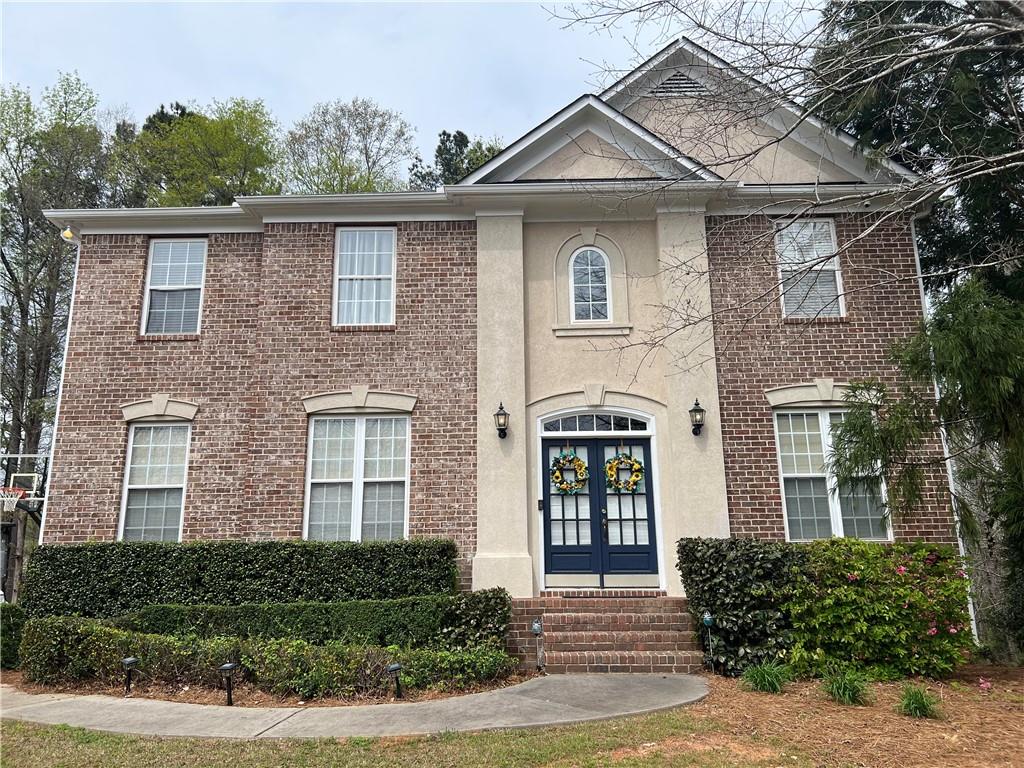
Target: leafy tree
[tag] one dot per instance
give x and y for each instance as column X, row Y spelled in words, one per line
column 195, row 158
column 53, row 156
column 341, row 147
column 455, row 158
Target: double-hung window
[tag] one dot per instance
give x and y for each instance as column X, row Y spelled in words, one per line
column 809, row 269
column 357, row 478
column 817, row 507
column 154, row 487
column 174, row 286
column 588, row 282
column 364, row 279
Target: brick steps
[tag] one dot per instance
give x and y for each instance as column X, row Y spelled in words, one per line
column 591, row 631
column 620, row 641
column 671, row 662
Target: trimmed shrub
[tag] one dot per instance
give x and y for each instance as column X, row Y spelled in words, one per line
column 895, row 609
column 12, row 619
column 898, row 609
column 915, row 701
column 456, row 621
column 766, row 677
column 68, row 648
column 743, row 583
column 847, row 685
column 110, row 579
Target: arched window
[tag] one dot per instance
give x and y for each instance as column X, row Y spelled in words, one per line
column 588, row 285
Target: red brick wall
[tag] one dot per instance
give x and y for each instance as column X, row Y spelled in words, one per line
column 266, row 342
column 758, row 350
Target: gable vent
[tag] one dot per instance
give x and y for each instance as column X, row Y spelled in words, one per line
column 676, row 86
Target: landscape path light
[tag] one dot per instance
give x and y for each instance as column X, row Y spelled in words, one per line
column 128, row 663
column 227, row 672
column 395, row 671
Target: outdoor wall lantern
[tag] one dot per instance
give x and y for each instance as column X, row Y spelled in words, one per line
column 697, row 415
column 128, row 663
column 227, row 671
column 501, row 421
column 395, row 670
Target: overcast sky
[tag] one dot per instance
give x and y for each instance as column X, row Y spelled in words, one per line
column 485, row 68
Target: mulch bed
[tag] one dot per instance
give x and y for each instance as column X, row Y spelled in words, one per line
column 243, row 694
column 977, row 729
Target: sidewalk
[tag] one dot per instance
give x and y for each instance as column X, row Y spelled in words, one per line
column 552, row 700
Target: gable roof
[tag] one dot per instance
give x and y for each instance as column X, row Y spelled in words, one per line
column 694, row 62
column 589, row 114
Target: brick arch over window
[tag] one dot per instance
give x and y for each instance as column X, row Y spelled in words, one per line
column 590, row 240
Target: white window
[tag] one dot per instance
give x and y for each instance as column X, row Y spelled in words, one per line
column 588, row 285
column 816, row 506
column 154, row 486
column 174, row 286
column 357, row 478
column 809, row 269
column 364, row 284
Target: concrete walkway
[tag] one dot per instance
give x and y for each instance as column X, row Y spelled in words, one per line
column 552, row 700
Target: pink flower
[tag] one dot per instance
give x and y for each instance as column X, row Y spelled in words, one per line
column 984, row 684
column 962, row 573
column 933, row 631
column 853, row 577
column 952, row 630
column 901, row 570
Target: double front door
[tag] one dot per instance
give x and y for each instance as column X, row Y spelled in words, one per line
column 599, row 529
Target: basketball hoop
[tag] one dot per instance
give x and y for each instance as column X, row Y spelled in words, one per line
column 9, row 498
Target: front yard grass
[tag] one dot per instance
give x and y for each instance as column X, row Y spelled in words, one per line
column 731, row 728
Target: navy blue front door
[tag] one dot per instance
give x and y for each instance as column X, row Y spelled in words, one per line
column 599, row 530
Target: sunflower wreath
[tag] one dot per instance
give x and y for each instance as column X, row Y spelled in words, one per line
column 569, row 460
column 611, row 472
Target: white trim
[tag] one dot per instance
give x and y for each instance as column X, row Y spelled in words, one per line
column 595, row 324
column 337, row 277
column 779, row 226
column 702, row 58
column 60, row 392
column 649, row 433
column 835, row 510
column 358, row 480
column 143, row 325
column 127, row 471
column 514, row 154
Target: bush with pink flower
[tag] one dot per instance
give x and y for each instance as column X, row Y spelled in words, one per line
column 899, row 609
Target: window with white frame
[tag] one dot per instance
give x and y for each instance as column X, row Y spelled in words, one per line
column 588, row 283
column 154, row 491
column 364, row 284
column 809, row 269
column 817, row 507
column 357, row 479
column 174, row 286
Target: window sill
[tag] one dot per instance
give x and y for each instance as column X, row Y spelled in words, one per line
column 611, row 329
column 158, row 337
column 364, row 328
column 827, row 320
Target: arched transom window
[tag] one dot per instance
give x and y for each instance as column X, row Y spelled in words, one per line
column 588, row 281
column 596, row 422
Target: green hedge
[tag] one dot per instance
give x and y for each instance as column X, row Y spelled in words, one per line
column 896, row 609
column 66, row 649
column 111, row 579
column 743, row 583
column 12, row 618
column 460, row 620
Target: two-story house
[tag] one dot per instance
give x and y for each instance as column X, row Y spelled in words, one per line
column 331, row 367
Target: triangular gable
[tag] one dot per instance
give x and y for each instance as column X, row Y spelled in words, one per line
column 686, row 71
column 605, row 142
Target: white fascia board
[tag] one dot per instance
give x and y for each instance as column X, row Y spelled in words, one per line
column 817, row 141
column 823, row 198
column 156, row 221
column 557, row 131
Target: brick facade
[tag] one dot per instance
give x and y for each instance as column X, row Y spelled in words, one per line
column 757, row 350
column 264, row 345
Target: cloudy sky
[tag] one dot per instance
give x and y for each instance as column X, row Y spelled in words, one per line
column 485, row 68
